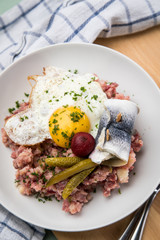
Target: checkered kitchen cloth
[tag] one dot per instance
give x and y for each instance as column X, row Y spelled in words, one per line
column 31, row 25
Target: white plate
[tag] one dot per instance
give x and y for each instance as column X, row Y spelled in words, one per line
column 109, row 65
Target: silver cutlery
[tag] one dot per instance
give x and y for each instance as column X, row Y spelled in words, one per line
column 134, row 231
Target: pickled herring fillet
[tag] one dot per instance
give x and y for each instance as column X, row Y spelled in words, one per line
column 128, row 111
column 75, row 181
column 114, row 141
column 83, row 165
column 98, row 155
column 104, row 121
column 119, row 144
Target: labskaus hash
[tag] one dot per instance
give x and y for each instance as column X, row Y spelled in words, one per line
column 74, row 134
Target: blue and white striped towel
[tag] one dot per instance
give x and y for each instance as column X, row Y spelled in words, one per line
column 38, row 23
column 34, row 24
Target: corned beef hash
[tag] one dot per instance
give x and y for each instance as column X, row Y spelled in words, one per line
column 76, row 133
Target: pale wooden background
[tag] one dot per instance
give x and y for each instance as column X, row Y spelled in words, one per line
column 143, row 48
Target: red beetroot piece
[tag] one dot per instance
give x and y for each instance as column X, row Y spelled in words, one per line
column 82, row 144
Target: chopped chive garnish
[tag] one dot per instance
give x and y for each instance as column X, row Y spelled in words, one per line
column 10, row 110
column 96, row 125
column 65, row 106
column 74, row 98
column 17, row 104
column 26, row 94
column 88, row 102
column 55, row 115
column 119, row 190
column 109, row 83
column 83, row 89
column 64, row 135
column 16, row 181
column 21, row 119
column 55, row 129
column 35, row 174
column 62, row 111
column 90, row 108
column 94, row 97
column 76, row 116
column 54, row 121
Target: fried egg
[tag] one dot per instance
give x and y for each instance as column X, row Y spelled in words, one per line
column 58, row 90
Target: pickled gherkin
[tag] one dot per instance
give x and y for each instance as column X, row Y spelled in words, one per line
column 78, row 167
column 62, row 161
column 75, row 181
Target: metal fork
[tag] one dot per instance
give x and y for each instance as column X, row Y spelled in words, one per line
column 134, row 231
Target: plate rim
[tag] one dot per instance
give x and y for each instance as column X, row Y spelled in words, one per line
column 85, row 44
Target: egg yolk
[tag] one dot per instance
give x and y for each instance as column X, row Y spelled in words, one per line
column 65, row 122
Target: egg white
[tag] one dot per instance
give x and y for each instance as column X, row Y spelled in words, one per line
column 56, row 88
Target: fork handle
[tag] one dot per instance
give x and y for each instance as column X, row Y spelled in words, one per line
column 138, row 231
column 128, row 231
column 135, row 228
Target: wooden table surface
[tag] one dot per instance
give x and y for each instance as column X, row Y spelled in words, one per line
column 143, row 48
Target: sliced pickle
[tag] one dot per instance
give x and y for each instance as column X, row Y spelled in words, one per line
column 62, row 161
column 78, row 167
column 75, row 181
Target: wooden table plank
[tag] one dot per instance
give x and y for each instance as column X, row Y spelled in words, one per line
column 143, row 48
